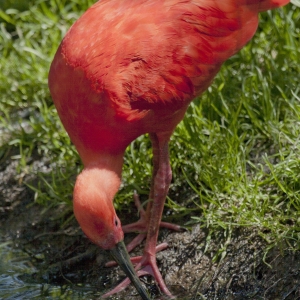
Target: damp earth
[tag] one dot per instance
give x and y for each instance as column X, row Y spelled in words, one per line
column 45, row 255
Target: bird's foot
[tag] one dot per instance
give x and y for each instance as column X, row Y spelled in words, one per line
column 145, row 265
column 137, row 259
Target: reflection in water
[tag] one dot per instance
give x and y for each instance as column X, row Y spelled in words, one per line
column 15, row 264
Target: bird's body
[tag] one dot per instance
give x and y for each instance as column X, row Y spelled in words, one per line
column 131, row 67
column 140, row 63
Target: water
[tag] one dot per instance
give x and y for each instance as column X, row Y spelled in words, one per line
column 15, row 264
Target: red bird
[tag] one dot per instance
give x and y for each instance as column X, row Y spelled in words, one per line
column 131, row 67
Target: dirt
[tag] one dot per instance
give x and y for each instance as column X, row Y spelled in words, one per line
column 62, row 255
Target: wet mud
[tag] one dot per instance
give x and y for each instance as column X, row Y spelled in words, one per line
column 60, row 255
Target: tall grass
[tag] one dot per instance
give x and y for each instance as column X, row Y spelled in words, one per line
column 235, row 156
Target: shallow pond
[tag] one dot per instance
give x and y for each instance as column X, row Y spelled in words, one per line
column 15, row 264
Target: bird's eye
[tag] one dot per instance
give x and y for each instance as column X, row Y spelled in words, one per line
column 116, row 222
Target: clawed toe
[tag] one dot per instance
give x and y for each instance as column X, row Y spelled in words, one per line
column 137, row 259
column 146, row 265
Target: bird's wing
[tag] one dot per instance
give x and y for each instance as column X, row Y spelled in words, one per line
column 148, row 54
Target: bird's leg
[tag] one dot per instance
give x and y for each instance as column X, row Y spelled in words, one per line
column 146, row 264
column 162, row 175
column 142, row 224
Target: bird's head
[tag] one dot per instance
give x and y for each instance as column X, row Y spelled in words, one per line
column 93, row 196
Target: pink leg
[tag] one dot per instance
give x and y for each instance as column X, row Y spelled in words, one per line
column 146, row 265
column 142, row 224
column 160, row 183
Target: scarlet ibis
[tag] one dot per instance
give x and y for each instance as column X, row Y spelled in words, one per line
column 131, row 67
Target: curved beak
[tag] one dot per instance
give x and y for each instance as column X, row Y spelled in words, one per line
column 121, row 256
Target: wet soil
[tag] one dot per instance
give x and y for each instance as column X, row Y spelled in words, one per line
column 62, row 255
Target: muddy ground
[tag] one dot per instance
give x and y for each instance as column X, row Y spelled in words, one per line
column 62, row 255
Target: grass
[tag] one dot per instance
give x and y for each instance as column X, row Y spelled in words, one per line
column 236, row 154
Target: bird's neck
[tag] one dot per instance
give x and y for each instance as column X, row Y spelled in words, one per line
column 102, row 172
column 112, row 162
column 104, row 161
